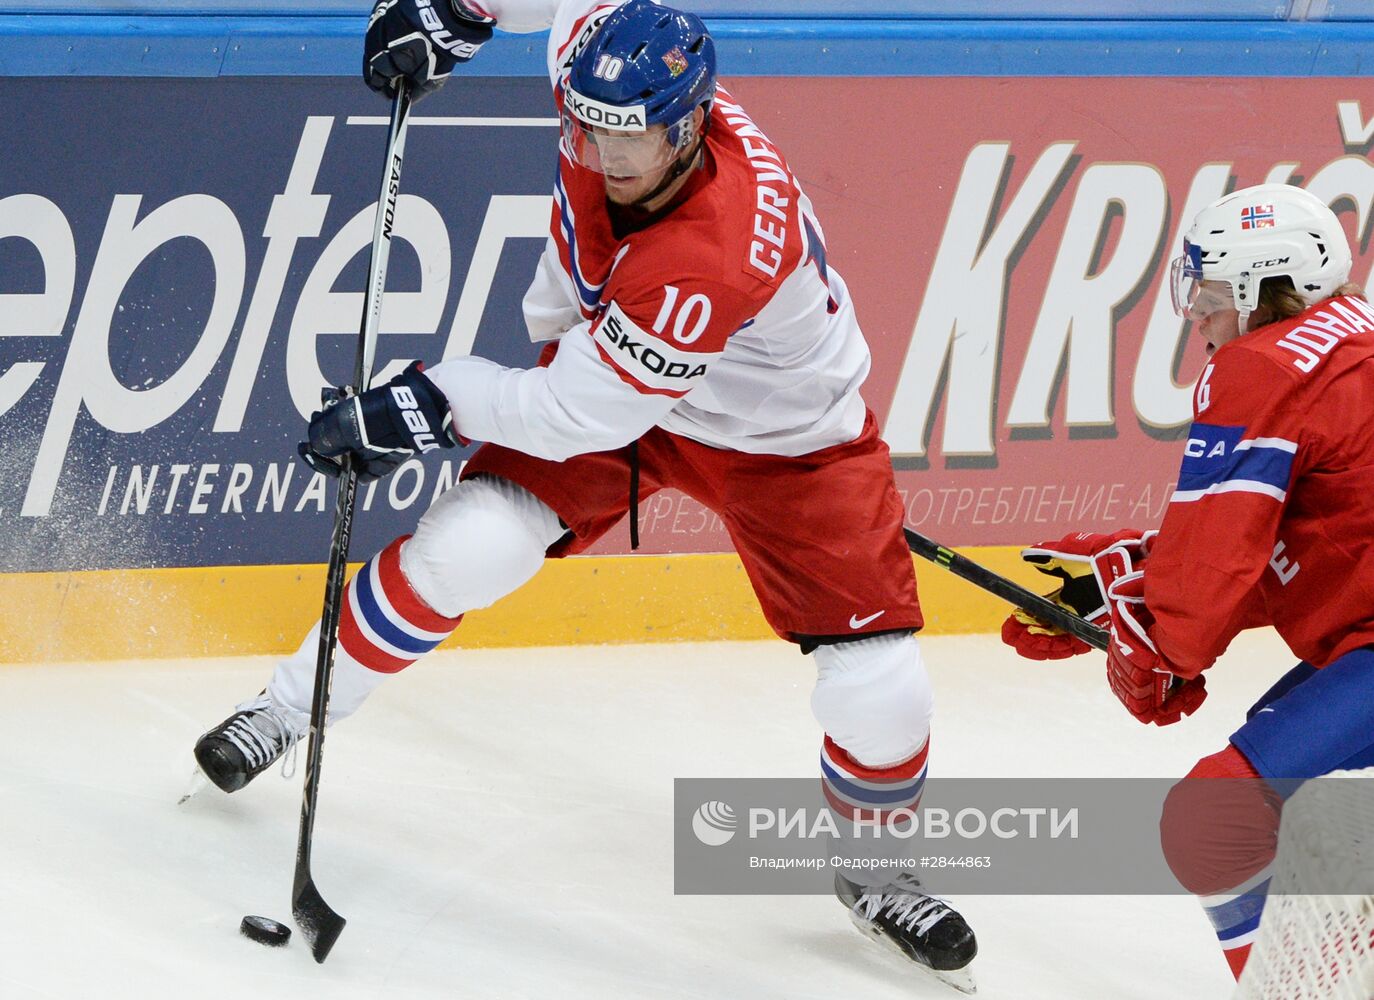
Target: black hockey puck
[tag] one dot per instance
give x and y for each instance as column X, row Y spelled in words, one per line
column 266, row 931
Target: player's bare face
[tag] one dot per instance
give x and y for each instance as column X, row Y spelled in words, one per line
column 1214, row 315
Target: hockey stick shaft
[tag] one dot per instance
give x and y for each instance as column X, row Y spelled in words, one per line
column 1028, row 601
column 318, row 922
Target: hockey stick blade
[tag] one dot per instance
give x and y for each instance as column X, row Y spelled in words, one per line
column 1013, row 593
column 317, row 921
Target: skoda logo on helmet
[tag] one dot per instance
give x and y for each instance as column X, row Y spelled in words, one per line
column 608, row 116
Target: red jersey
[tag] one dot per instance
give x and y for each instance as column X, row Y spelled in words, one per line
column 1272, row 522
column 717, row 320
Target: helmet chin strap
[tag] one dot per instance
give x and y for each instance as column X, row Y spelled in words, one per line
column 1243, row 311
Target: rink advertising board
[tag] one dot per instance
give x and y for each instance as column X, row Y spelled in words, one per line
column 181, row 265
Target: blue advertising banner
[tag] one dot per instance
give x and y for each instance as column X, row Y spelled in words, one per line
column 181, row 265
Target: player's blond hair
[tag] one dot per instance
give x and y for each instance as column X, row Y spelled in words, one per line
column 1279, row 300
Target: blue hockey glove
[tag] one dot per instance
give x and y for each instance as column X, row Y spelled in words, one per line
column 379, row 428
column 421, row 40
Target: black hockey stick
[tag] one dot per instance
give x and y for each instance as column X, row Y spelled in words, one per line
column 317, row 921
column 1028, row 601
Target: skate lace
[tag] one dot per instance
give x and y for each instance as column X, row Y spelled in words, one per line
column 908, row 908
column 260, row 746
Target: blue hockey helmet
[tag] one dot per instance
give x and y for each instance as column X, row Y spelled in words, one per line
column 646, row 65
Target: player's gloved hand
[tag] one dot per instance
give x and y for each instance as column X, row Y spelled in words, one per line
column 1068, row 559
column 1139, row 675
column 379, row 428
column 420, row 40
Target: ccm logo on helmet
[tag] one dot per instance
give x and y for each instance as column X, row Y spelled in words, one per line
column 1272, row 262
column 631, row 119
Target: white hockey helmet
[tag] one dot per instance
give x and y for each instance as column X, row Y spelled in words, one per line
column 1263, row 232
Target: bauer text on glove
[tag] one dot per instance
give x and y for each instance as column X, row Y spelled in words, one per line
column 381, row 427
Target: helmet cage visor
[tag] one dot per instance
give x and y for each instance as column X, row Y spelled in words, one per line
column 1185, row 278
column 620, row 141
column 620, row 154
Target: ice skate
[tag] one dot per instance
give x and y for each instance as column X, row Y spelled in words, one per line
column 249, row 742
column 922, row 927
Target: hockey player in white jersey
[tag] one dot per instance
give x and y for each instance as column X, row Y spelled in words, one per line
column 699, row 341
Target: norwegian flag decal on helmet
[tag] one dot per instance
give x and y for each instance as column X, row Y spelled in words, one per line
column 1257, row 217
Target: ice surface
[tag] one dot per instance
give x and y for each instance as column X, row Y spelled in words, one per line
column 497, row 824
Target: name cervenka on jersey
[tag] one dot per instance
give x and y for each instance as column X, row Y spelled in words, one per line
column 765, row 252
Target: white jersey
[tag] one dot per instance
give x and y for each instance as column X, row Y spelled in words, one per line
column 718, row 321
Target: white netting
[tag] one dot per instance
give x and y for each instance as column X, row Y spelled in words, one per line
column 1315, row 941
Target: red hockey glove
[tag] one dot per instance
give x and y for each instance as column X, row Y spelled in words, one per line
column 1140, row 677
column 1069, row 559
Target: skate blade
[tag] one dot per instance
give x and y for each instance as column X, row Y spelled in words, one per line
column 199, row 782
column 960, row 979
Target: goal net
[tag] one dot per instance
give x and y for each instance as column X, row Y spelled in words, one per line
column 1315, row 936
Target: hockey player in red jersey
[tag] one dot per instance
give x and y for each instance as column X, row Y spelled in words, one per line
column 1271, row 524
column 702, row 344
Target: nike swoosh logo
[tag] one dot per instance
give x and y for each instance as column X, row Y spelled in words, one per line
column 856, row 622
column 1263, row 710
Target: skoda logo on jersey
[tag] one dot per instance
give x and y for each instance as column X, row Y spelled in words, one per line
column 647, row 357
column 607, row 116
column 714, row 823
